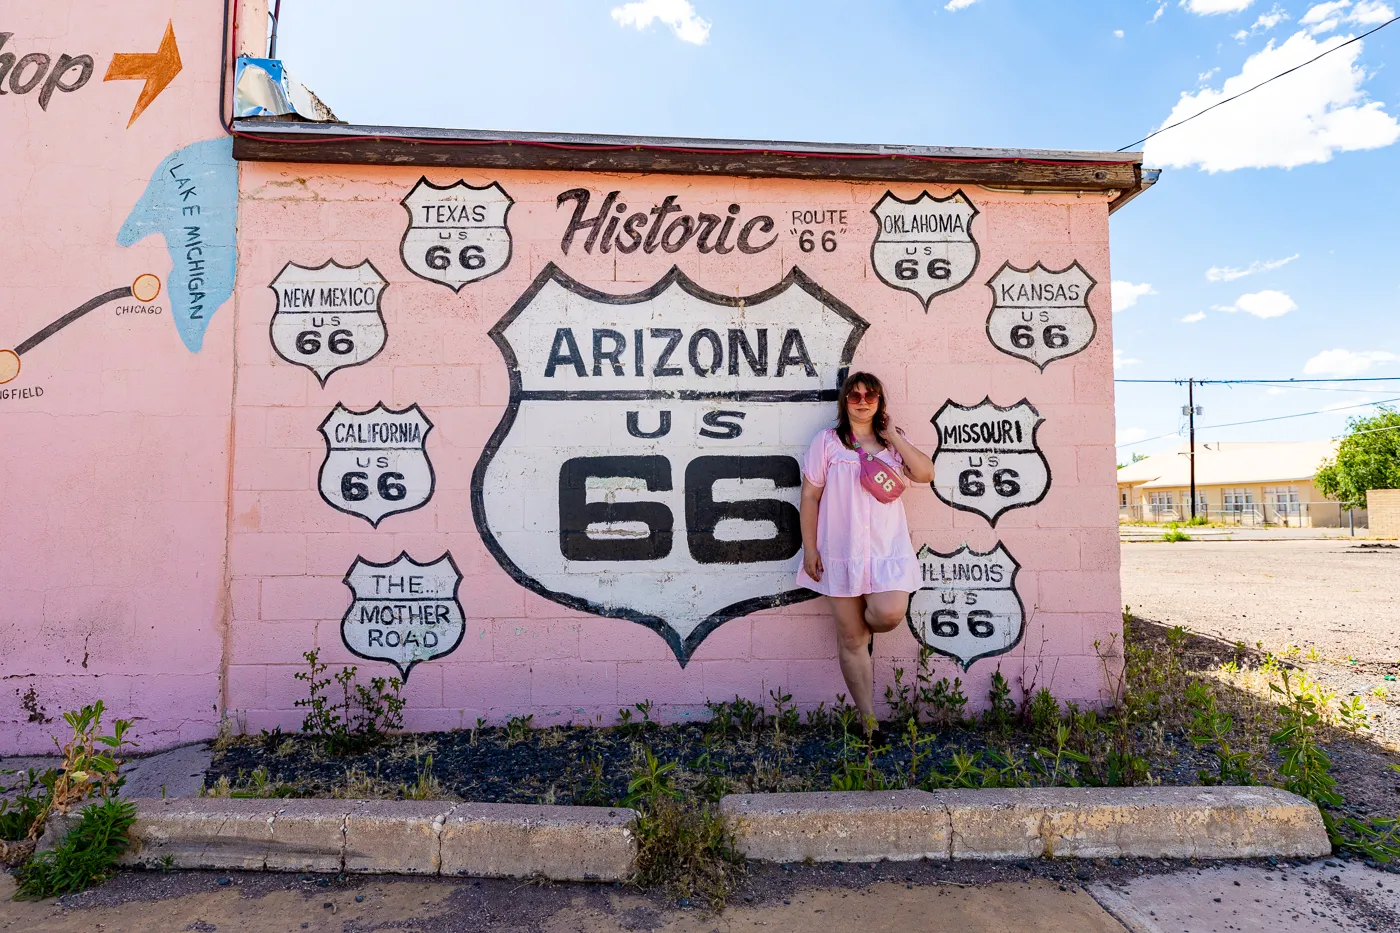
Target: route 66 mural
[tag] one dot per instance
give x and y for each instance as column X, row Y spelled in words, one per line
column 328, row 317
column 376, row 464
column 1039, row 314
column 988, row 460
column 456, row 234
column 403, row 612
column 647, row 465
column 924, row 246
column 967, row 607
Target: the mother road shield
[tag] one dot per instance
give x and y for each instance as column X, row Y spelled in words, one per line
column 647, row 467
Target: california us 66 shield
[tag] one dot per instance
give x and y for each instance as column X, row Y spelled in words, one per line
column 967, row 606
column 924, row 246
column 647, row 467
column 404, row 612
column 328, row 317
column 376, row 464
column 456, row 235
column 988, row 460
column 1039, row 314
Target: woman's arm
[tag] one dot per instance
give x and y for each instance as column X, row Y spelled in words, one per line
column 811, row 502
column 918, row 466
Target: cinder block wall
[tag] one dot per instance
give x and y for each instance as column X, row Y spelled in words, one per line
column 1383, row 511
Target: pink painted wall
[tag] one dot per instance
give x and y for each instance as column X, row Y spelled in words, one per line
column 522, row 653
column 113, row 435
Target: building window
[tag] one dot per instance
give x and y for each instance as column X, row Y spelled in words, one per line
column 1123, row 498
column 1162, row 501
column 1239, row 500
column 1283, row 499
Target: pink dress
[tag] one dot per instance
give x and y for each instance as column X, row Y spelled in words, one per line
column 864, row 543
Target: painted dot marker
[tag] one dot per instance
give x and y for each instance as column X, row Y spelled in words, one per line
column 9, row 366
column 146, row 287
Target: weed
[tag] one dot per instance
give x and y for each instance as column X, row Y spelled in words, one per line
column 1059, row 766
column 1043, row 713
column 85, row 856
column 1000, row 709
column 1174, row 534
column 426, row 787
column 902, row 699
column 22, row 804
column 1212, row 727
column 786, row 719
column 947, row 702
column 363, row 716
column 519, row 729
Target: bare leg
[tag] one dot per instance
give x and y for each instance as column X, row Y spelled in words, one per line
column 852, row 639
column 885, row 611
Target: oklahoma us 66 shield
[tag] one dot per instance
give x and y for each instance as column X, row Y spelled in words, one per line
column 647, row 467
column 1039, row 314
column 376, row 464
column 988, row 460
column 967, row 607
column 404, row 612
column 924, row 246
column 456, row 235
column 328, row 317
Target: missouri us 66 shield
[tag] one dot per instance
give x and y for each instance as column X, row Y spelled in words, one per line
column 1041, row 315
column 967, row 607
column 456, row 235
column 328, row 317
column 924, row 246
column 376, row 464
column 404, row 612
column 988, row 460
column 647, row 467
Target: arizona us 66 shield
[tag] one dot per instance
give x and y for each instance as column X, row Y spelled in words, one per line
column 647, row 467
column 967, row 607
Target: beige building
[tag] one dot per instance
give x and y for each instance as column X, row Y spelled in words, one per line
column 1236, row 482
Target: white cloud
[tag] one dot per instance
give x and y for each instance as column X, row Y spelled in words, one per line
column 1269, row 20
column 1346, row 362
column 1325, row 17
column 955, row 5
column 1193, row 317
column 1205, row 76
column 1129, row 436
column 1305, row 118
column 1266, row 304
column 1230, row 273
column 1161, row 8
column 1211, row 7
column 1371, row 13
column 1118, row 33
column 1126, row 294
column 1119, row 360
column 678, row 14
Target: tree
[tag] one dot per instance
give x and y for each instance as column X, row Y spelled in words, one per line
column 1368, row 458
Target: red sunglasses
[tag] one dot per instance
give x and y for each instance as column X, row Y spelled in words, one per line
column 857, row 397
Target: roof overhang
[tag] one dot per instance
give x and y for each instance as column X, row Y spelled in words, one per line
column 1117, row 174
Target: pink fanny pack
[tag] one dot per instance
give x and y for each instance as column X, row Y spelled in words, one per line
column 879, row 479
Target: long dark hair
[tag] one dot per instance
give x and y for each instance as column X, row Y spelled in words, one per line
column 843, row 418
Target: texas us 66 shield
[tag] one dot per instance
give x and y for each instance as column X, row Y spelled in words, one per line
column 967, row 606
column 647, row 467
column 376, row 463
column 456, row 234
column 988, row 460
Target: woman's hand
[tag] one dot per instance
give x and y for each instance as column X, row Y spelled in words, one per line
column 812, row 563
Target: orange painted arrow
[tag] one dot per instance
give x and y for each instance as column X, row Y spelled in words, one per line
column 157, row 69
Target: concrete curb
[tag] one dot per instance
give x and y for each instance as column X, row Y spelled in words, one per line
column 488, row 840
column 1073, row 822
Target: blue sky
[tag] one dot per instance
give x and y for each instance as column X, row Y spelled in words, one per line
column 1266, row 251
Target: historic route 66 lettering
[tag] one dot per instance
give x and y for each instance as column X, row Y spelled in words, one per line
column 376, row 463
column 1039, row 314
column 967, row 607
column 988, row 460
column 328, row 317
column 456, row 235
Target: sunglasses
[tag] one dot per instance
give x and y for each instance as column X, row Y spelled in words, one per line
column 857, row 397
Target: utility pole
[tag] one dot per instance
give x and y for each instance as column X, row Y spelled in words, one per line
column 1191, row 405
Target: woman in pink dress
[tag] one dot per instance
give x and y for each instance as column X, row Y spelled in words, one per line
column 856, row 549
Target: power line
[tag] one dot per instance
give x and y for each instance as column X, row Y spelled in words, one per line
column 1282, row 382
column 1322, row 411
column 1221, row 103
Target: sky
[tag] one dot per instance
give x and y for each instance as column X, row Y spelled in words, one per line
column 1266, row 251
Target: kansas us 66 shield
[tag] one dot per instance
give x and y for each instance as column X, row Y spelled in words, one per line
column 988, row 460
column 456, row 234
column 967, row 606
column 647, row 467
column 1040, row 314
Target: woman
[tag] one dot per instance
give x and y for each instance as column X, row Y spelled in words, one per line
column 856, row 549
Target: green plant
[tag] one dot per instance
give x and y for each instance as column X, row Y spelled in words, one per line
column 1000, row 709
column 22, row 804
column 426, row 787
column 856, row 769
column 902, row 699
column 1212, row 727
column 1198, row 520
column 1174, row 534
column 1367, row 458
column 86, row 855
column 1059, row 766
column 360, row 719
column 786, row 719
column 947, row 701
column 1043, row 713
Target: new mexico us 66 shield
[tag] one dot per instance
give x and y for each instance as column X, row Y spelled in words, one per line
column 647, row 467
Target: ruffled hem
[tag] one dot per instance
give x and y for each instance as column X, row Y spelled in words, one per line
column 861, row 578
